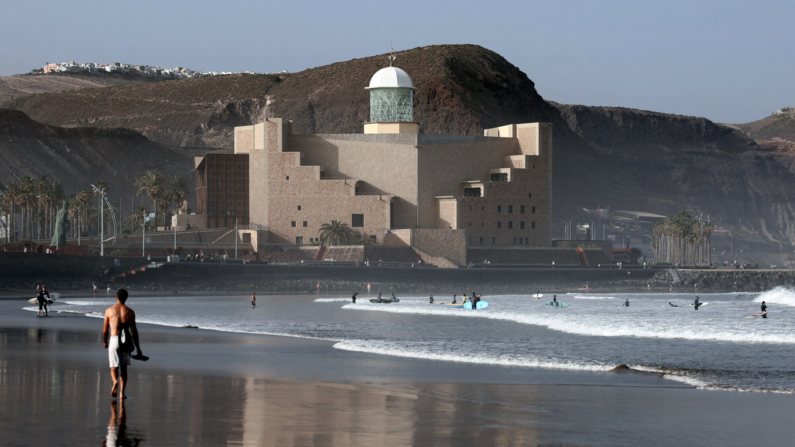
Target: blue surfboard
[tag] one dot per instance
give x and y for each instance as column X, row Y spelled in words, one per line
column 557, row 304
column 481, row 305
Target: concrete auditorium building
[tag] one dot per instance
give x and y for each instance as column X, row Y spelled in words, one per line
column 444, row 195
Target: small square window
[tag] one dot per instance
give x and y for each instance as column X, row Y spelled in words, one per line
column 499, row 209
column 287, row 178
column 292, row 224
column 534, row 166
column 373, row 238
column 499, row 224
column 299, row 240
column 299, row 207
column 481, row 208
column 510, row 209
column 494, row 240
column 510, row 225
column 533, row 225
column 470, row 224
column 521, row 225
column 304, row 224
column 357, row 220
column 521, row 209
column 532, row 209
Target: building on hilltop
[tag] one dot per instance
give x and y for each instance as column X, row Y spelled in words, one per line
column 440, row 194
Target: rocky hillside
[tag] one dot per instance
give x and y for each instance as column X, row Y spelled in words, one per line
column 79, row 157
column 17, row 86
column 780, row 124
column 689, row 162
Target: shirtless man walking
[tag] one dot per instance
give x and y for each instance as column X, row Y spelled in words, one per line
column 118, row 318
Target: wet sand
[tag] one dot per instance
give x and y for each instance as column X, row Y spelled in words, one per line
column 211, row 388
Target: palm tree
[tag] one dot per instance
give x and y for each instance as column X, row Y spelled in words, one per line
column 178, row 190
column 41, row 185
column 151, row 183
column 56, row 196
column 83, row 198
column 335, row 233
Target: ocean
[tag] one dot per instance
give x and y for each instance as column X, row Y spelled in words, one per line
column 714, row 348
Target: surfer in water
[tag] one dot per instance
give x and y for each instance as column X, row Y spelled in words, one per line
column 379, row 297
column 626, row 303
column 453, row 298
column 353, row 297
column 393, row 297
column 431, row 300
column 672, row 304
column 554, row 298
column 253, row 300
column 764, row 309
column 696, row 304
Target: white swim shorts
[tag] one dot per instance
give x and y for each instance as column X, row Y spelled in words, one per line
column 115, row 355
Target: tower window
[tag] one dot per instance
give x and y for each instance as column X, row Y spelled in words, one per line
column 532, row 209
column 494, row 240
column 299, row 207
column 470, row 224
column 533, row 225
column 499, row 209
column 514, row 241
column 530, row 195
column 287, row 178
column 499, row 224
column 510, row 209
column 521, row 209
column 357, row 220
column 527, row 241
column 510, row 225
column 481, row 241
column 292, row 224
column 304, row 224
column 521, row 225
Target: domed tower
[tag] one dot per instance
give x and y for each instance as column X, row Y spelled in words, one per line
column 391, row 101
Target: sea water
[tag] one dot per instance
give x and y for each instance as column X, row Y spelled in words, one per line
column 715, row 347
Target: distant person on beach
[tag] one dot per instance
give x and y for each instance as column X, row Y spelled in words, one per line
column 696, row 304
column 317, row 289
column 119, row 320
column 107, row 293
column 94, row 289
column 764, row 309
column 41, row 301
column 353, row 297
column 254, row 299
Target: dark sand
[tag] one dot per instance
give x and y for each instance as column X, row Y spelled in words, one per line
column 211, row 388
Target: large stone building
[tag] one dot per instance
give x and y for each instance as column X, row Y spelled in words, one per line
column 389, row 183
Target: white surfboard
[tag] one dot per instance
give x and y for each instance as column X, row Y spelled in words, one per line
column 757, row 315
column 537, row 295
column 700, row 304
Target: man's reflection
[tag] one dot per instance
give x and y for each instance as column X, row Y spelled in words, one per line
column 117, row 428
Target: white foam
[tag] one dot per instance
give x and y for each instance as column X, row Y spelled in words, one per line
column 594, row 297
column 332, row 300
column 370, row 347
column 779, row 295
column 102, row 302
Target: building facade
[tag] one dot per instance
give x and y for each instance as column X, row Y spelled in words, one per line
column 490, row 190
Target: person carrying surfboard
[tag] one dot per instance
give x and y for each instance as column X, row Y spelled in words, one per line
column 696, row 304
column 764, row 309
column 120, row 321
column 40, row 301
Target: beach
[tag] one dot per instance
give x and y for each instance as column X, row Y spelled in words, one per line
column 214, row 387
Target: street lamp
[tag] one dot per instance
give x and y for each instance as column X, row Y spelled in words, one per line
column 102, row 201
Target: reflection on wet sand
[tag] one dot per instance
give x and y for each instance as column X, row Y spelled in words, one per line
column 201, row 410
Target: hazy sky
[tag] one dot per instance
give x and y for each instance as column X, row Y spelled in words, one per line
column 729, row 61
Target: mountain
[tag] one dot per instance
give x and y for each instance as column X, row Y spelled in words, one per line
column 780, row 124
column 80, row 157
column 17, row 86
column 604, row 156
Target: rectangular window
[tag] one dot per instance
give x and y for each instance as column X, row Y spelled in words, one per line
column 510, row 209
column 481, row 241
column 470, row 224
column 299, row 240
column 299, row 207
column 292, row 224
column 533, row 225
column 373, row 238
column 494, row 240
column 304, row 224
column 510, row 225
column 483, row 224
column 521, row 209
column 530, row 195
column 287, row 178
column 499, row 208
column 514, row 241
column 527, row 241
column 499, row 224
column 532, row 209
column 521, row 225
column 357, row 220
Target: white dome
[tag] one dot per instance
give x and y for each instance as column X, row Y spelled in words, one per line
column 391, row 77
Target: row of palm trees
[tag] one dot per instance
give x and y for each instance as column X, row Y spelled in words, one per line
column 681, row 239
column 37, row 201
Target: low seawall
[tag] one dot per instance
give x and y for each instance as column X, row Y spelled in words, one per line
column 42, row 266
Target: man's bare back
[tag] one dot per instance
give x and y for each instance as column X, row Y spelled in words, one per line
column 118, row 317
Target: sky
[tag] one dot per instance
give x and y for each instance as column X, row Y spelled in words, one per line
column 729, row 61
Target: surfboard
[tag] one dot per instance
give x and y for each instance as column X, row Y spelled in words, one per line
column 35, row 300
column 537, row 295
column 757, row 315
column 458, row 305
column 481, row 305
column 557, row 304
column 700, row 304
